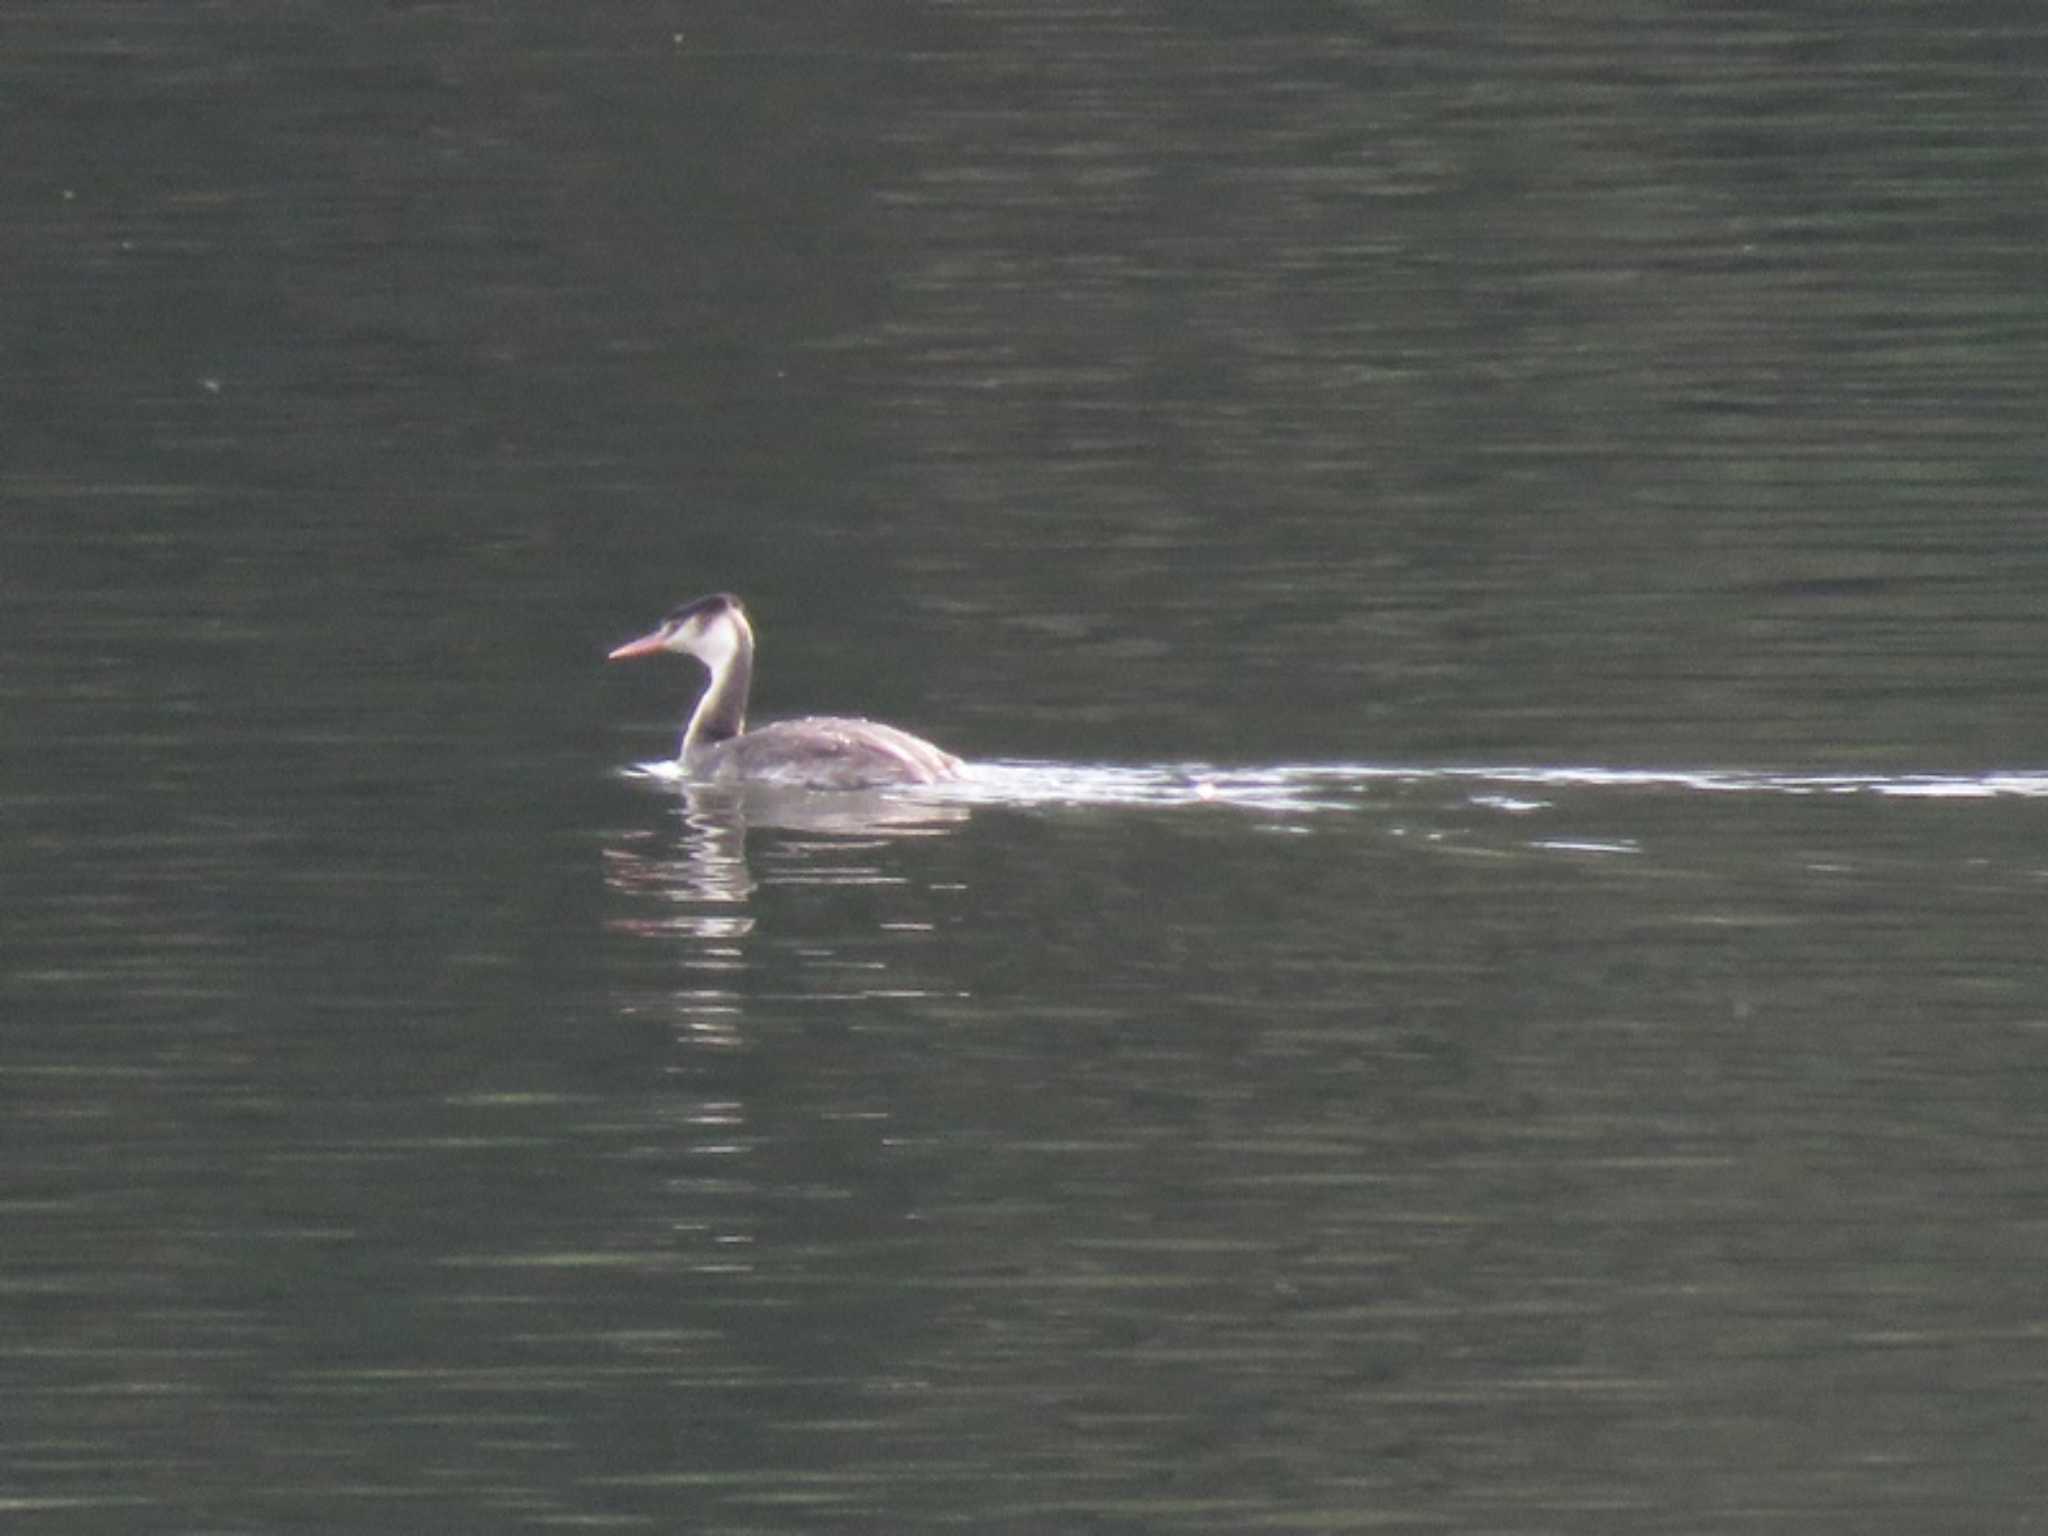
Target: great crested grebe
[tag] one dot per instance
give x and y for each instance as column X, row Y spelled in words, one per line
column 817, row 752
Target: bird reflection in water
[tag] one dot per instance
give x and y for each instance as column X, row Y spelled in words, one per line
column 690, row 884
column 701, row 881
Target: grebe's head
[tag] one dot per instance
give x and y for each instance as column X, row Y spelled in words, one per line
column 710, row 628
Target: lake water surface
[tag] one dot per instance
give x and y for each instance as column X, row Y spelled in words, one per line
column 1487, row 975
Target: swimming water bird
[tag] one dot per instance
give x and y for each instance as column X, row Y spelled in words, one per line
column 817, row 752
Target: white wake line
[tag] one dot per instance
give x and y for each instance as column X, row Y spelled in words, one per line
column 1307, row 786
column 1925, row 786
column 1343, row 786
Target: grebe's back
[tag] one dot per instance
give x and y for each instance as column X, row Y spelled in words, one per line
column 827, row 752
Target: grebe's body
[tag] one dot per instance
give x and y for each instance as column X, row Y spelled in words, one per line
column 818, row 752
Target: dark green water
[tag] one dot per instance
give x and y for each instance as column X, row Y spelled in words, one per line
column 1490, row 978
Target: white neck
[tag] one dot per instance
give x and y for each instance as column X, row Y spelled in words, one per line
column 726, row 647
